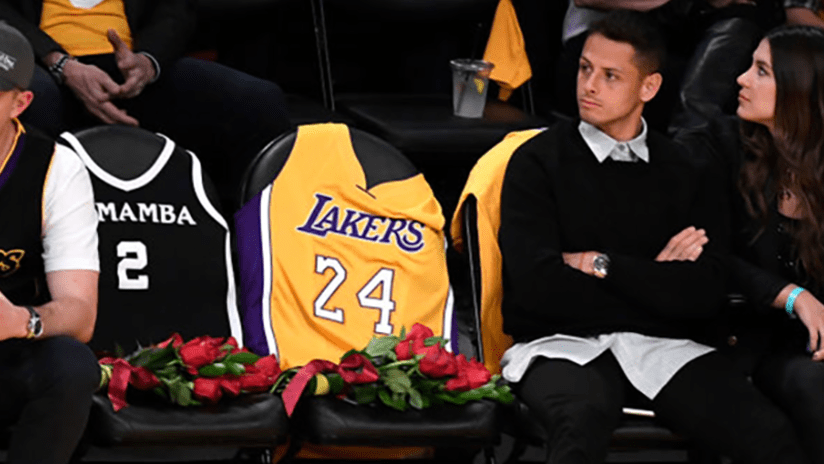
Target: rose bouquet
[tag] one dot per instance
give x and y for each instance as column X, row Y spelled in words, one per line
column 200, row 371
column 410, row 370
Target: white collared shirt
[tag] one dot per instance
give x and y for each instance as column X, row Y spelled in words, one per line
column 648, row 362
column 604, row 146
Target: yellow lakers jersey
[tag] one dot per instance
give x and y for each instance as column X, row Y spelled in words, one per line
column 484, row 183
column 329, row 258
column 80, row 26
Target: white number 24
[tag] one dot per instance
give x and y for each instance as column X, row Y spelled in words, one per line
column 383, row 278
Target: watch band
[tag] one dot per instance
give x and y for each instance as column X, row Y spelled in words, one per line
column 35, row 325
column 600, row 265
column 56, row 69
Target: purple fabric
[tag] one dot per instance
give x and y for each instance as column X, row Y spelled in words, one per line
column 12, row 162
column 250, row 261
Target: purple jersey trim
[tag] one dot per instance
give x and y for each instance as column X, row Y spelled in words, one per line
column 12, row 162
column 250, row 262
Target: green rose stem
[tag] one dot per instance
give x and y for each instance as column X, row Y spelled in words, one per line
column 408, row 362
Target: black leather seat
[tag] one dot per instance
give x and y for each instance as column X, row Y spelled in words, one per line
column 330, row 421
column 254, row 421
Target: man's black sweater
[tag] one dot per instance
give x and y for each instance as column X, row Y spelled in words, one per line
column 557, row 197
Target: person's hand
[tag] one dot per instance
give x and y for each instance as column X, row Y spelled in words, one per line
column 686, row 245
column 581, row 260
column 811, row 312
column 13, row 320
column 95, row 89
column 136, row 68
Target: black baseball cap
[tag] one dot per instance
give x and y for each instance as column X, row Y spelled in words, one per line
column 16, row 59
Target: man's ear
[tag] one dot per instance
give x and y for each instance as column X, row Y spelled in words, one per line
column 21, row 102
column 650, row 86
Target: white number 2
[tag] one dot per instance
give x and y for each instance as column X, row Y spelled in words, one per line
column 322, row 263
column 134, row 257
column 383, row 278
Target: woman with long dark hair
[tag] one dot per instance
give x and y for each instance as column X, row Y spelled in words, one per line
column 780, row 215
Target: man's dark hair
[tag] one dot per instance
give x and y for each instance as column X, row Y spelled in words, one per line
column 639, row 30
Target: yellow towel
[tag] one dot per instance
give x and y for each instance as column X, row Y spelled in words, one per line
column 505, row 49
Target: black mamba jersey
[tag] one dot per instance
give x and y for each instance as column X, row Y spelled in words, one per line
column 328, row 260
column 164, row 251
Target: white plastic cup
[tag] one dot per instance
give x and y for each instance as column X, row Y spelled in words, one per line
column 470, row 82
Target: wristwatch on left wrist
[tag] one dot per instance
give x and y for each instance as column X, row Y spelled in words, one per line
column 35, row 326
column 600, row 265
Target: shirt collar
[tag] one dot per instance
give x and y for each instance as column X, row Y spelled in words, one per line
column 603, row 145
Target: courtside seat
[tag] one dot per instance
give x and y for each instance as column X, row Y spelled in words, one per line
column 132, row 166
column 331, row 421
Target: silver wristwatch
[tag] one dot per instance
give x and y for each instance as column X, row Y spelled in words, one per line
column 35, row 324
column 600, row 265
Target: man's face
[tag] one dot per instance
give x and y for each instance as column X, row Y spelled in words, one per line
column 612, row 89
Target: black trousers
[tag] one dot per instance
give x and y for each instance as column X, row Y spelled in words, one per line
column 47, row 389
column 223, row 115
column 706, row 401
column 796, row 383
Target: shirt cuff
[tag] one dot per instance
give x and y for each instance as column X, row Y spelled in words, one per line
column 154, row 63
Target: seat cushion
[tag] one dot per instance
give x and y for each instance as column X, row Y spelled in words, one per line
column 257, row 420
column 331, row 421
column 633, row 432
column 423, row 124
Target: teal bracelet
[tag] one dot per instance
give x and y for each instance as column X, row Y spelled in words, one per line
column 791, row 300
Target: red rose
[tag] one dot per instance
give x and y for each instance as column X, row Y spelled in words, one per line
column 207, row 389
column 269, row 365
column 143, row 379
column 438, row 363
column 356, row 369
column 201, row 351
column 413, row 343
column 471, row 375
column 176, row 340
column 233, row 343
column 230, row 384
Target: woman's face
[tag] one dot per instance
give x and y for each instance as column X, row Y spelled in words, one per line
column 756, row 100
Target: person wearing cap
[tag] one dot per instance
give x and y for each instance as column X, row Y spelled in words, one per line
column 121, row 62
column 48, row 276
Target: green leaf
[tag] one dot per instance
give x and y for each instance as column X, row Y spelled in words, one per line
column 403, row 332
column 235, row 368
column 336, row 383
column 365, row 394
column 415, row 399
column 381, row 346
column 393, row 401
column 244, row 357
column 213, row 370
column 179, row 392
column 429, row 341
column 396, row 380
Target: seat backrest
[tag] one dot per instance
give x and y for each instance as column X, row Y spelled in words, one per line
column 421, row 36
column 478, row 232
column 340, row 240
column 165, row 262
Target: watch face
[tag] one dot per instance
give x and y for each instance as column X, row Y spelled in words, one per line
column 600, row 265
